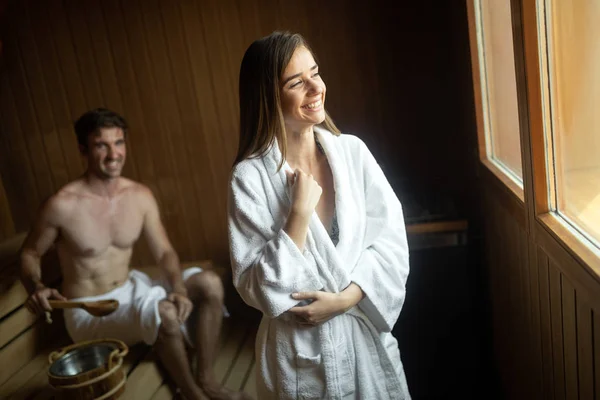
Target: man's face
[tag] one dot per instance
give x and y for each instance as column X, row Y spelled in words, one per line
column 106, row 152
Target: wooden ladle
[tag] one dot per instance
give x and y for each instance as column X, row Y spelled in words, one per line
column 96, row 308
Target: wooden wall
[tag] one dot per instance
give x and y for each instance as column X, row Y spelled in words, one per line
column 545, row 307
column 507, row 263
column 171, row 66
column 7, row 228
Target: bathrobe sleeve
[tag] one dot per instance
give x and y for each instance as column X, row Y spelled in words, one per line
column 267, row 265
column 382, row 268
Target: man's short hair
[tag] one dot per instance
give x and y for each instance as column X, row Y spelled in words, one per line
column 93, row 120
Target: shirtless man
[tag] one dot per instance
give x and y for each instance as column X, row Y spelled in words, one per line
column 95, row 221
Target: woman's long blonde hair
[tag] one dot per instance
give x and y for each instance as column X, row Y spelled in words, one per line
column 261, row 117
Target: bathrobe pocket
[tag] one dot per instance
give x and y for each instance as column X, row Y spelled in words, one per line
column 310, row 377
column 346, row 360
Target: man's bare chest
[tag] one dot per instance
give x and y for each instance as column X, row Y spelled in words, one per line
column 95, row 226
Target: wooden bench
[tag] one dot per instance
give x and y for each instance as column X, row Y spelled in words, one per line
column 26, row 341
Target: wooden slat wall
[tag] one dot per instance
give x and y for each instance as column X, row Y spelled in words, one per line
column 7, row 228
column 505, row 260
column 171, row 67
column 546, row 308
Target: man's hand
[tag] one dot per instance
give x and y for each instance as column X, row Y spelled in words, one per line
column 37, row 303
column 183, row 303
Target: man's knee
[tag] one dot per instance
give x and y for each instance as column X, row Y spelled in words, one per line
column 168, row 314
column 206, row 286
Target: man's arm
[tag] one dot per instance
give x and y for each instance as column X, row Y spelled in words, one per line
column 38, row 241
column 165, row 255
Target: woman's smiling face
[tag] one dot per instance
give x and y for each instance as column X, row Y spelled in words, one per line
column 302, row 92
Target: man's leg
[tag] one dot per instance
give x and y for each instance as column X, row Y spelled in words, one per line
column 170, row 348
column 205, row 289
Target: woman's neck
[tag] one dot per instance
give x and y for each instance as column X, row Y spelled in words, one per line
column 302, row 150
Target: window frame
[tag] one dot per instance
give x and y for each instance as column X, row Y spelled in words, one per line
column 547, row 228
column 483, row 143
column 543, row 191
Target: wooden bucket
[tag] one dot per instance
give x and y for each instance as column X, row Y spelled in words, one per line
column 89, row 370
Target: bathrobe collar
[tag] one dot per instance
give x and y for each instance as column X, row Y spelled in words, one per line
column 344, row 206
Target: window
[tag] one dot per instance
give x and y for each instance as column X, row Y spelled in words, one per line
column 498, row 87
column 570, row 63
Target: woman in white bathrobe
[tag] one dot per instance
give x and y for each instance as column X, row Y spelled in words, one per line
column 317, row 237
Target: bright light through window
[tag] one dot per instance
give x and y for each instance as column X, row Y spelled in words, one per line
column 572, row 80
column 498, row 86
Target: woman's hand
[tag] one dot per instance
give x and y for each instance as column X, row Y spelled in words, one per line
column 325, row 305
column 306, row 192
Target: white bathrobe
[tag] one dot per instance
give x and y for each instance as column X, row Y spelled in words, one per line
column 351, row 356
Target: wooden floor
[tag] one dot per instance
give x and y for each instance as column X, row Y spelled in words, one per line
column 234, row 367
